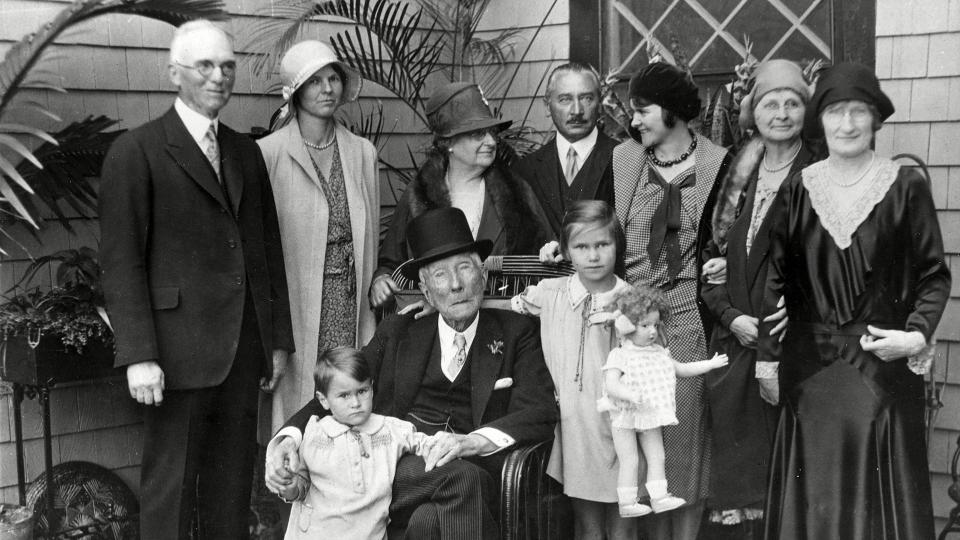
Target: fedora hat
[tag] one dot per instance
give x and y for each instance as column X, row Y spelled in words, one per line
column 437, row 234
column 458, row 108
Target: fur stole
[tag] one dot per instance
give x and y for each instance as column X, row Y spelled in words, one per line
column 729, row 200
column 429, row 190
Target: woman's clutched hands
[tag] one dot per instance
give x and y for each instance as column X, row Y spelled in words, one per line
column 282, row 464
column 714, row 271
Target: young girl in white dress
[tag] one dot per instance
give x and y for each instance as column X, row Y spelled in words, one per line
column 639, row 392
column 582, row 459
column 347, row 459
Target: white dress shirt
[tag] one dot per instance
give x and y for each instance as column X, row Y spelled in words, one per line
column 583, row 147
column 196, row 123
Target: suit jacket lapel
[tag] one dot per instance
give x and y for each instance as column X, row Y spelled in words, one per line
column 414, row 352
column 548, row 176
column 591, row 172
column 231, row 169
column 185, row 152
column 484, row 365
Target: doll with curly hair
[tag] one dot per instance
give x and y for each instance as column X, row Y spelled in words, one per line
column 639, row 392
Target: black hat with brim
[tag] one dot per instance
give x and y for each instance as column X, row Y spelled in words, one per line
column 845, row 82
column 437, row 234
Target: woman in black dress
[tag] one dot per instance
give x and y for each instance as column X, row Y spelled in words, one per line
column 857, row 252
column 743, row 415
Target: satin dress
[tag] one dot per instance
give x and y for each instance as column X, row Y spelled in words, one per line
column 850, row 459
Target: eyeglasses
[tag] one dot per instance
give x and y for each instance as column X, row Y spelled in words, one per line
column 205, row 68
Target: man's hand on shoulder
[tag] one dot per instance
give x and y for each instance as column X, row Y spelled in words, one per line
column 145, row 381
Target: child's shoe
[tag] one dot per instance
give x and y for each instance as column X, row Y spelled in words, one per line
column 627, row 501
column 660, row 500
column 666, row 503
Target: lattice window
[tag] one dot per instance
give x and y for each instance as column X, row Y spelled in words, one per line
column 711, row 32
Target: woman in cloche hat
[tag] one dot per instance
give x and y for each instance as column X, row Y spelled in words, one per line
column 741, row 413
column 326, row 186
column 462, row 170
column 857, row 252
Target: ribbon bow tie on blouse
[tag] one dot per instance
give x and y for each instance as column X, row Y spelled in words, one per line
column 666, row 223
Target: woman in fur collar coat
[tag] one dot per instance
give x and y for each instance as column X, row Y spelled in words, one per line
column 743, row 421
column 462, row 170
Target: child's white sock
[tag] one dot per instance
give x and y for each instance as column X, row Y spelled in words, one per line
column 657, row 489
column 627, row 495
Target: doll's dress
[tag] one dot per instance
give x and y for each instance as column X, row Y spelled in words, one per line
column 650, row 373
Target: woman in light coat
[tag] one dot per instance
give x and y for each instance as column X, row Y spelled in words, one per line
column 326, row 186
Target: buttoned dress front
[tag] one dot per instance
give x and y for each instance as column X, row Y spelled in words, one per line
column 583, row 458
column 351, row 473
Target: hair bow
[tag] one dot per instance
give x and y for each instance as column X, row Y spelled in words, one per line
column 623, row 325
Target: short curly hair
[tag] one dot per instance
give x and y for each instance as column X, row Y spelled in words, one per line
column 637, row 301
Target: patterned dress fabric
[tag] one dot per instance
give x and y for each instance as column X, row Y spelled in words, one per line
column 687, row 445
column 648, row 371
column 338, row 307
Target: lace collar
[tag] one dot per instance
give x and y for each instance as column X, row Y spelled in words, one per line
column 841, row 220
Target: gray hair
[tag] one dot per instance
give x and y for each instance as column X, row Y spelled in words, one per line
column 572, row 67
column 179, row 41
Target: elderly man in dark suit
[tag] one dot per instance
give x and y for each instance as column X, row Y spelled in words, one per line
column 575, row 164
column 194, row 283
column 476, row 377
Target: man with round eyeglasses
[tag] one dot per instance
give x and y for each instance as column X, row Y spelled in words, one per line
column 196, row 291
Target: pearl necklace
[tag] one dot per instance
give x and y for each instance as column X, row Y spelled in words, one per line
column 672, row 162
column 784, row 164
column 857, row 180
column 323, row 146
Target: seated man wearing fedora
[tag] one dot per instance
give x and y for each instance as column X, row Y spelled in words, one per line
column 474, row 376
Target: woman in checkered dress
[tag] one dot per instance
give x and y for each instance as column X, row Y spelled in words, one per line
column 665, row 181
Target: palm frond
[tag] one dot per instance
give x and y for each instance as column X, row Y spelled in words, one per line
column 75, row 155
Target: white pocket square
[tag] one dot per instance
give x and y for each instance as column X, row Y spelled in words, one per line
column 503, row 383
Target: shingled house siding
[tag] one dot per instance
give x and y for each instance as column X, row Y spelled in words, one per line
column 116, row 66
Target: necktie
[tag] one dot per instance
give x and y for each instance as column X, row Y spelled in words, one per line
column 211, row 149
column 460, row 342
column 572, row 166
column 666, row 224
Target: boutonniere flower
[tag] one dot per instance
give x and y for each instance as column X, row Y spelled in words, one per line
column 496, row 347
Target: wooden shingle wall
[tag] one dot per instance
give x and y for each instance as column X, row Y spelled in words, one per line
column 919, row 67
column 116, row 66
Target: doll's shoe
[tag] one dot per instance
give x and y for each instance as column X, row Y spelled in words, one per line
column 634, row 510
column 666, row 503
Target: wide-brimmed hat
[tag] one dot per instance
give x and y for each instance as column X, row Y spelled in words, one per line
column 772, row 75
column 304, row 59
column 458, row 108
column 843, row 82
column 669, row 87
column 437, row 234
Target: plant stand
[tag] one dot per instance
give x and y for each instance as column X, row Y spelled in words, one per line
column 34, row 367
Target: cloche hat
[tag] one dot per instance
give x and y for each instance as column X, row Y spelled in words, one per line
column 772, row 75
column 307, row 57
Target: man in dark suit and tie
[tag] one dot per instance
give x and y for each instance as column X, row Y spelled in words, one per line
column 196, row 292
column 576, row 163
column 475, row 377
